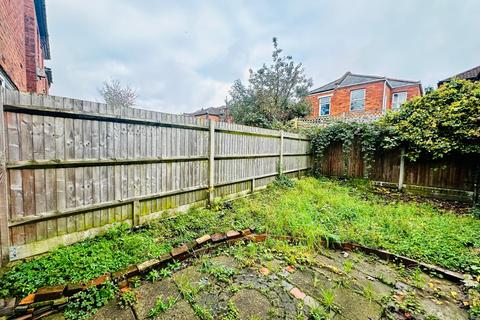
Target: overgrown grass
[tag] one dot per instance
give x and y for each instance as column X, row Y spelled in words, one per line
column 311, row 210
column 325, row 208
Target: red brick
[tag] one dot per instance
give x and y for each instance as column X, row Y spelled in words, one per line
column 246, row 232
column 128, row 272
column 179, row 251
column 374, row 93
column 21, row 53
column 290, row 269
column 125, row 289
column 203, row 239
column 233, row 234
column 264, row 271
column 73, row 288
column 49, row 293
column 98, row 281
column 28, row 299
column 147, row 265
column 297, row 293
column 218, row 237
column 257, row 237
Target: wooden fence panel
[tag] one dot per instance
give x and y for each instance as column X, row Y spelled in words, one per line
column 72, row 168
column 450, row 178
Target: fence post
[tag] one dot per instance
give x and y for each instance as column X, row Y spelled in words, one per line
column 211, row 161
column 280, row 162
column 136, row 213
column 401, row 175
column 4, row 232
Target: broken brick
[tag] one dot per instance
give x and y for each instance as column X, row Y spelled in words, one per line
column 147, row 265
column 73, row 288
column 257, row 237
column 264, row 271
column 98, row 281
column 203, row 239
column 49, row 293
column 217, row 237
column 28, row 299
column 24, row 317
column 179, row 251
column 128, row 272
column 290, row 269
column 125, row 289
column 233, row 234
column 246, row 232
column 297, row 293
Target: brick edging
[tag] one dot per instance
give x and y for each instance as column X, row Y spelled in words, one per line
column 52, row 299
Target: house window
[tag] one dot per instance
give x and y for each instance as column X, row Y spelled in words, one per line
column 357, row 100
column 398, row 98
column 324, row 103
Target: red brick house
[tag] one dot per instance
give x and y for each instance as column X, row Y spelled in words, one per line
column 215, row 114
column 24, row 46
column 357, row 95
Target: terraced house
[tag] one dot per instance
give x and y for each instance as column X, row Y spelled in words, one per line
column 357, row 95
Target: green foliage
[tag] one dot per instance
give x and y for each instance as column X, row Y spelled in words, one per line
column 153, row 276
column 220, row 272
column 441, row 122
column 201, row 312
column 319, row 208
column 275, row 94
column 86, row 303
column 313, row 210
column 318, row 313
column 161, row 306
column 232, row 311
column 328, row 299
column 283, row 181
column 127, row 299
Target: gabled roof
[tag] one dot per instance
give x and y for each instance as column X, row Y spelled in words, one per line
column 350, row 79
column 471, row 74
column 214, row 111
column 41, row 14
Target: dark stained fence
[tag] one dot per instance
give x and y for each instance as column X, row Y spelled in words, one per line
column 450, row 178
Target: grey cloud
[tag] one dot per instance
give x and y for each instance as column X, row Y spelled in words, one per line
column 184, row 55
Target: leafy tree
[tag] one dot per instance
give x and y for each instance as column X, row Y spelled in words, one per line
column 441, row 122
column 274, row 95
column 114, row 93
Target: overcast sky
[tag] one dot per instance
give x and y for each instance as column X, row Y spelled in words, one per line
column 182, row 55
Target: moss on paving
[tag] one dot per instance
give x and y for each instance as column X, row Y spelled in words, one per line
column 310, row 210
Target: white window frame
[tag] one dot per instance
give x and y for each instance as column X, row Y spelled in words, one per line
column 320, row 105
column 395, row 104
column 363, row 99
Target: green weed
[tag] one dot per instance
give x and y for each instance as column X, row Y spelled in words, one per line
column 161, row 306
column 86, row 303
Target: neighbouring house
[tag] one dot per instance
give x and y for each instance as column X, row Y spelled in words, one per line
column 357, row 95
column 471, row 74
column 212, row 113
column 24, row 46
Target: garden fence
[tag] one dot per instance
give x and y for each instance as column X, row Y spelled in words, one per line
column 451, row 178
column 72, row 168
